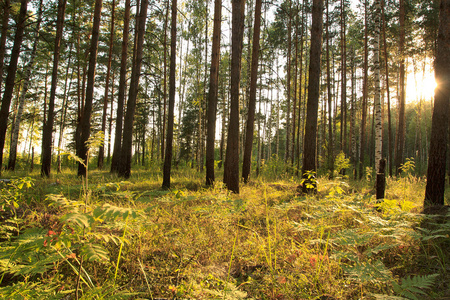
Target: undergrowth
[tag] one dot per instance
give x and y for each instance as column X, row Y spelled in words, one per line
column 130, row 239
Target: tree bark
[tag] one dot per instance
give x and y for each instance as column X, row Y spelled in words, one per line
column 401, row 112
column 11, row 77
column 377, row 96
column 330, row 101
column 166, row 21
column 85, row 124
column 6, row 8
column 343, row 79
column 288, row 85
column 169, row 138
column 381, row 180
column 252, row 97
column 18, row 118
column 386, row 60
column 122, row 89
column 309, row 152
column 213, row 93
column 364, row 100
column 63, row 113
column 101, row 151
column 127, row 141
column 435, row 188
column 231, row 168
column 300, row 104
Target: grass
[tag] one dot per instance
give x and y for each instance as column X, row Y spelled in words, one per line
column 131, row 239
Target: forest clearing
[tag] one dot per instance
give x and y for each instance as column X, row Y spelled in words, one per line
column 115, row 239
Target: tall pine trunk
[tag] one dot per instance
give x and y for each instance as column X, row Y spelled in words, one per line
column 127, row 141
column 343, row 79
column 23, row 93
column 6, row 8
column 386, row 61
column 231, row 168
column 85, row 124
column 330, row 100
column 312, row 106
column 213, row 93
column 252, row 99
column 401, row 110
column 11, row 77
column 364, row 99
column 288, row 84
column 63, row 113
column 435, row 188
column 169, row 138
column 101, row 151
column 122, row 89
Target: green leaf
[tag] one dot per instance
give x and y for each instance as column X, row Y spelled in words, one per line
column 94, row 252
column 79, row 219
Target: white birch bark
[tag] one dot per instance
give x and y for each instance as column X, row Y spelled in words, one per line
column 377, row 96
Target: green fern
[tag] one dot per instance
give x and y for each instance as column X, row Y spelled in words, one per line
column 94, row 252
column 33, row 290
column 413, row 286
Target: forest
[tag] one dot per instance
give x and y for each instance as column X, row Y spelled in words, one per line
column 238, row 149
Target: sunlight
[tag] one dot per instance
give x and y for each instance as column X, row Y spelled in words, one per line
column 420, row 87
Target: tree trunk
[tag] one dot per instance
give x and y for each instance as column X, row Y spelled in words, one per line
column 353, row 118
column 343, row 79
column 330, row 101
column 231, row 169
column 252, row 99
column 213, row 93
column 294, row 106
column 11, row 77
column 435, row 188
column 63, row 113
column 85, row 124
column 121, row 93
column 300, row 103
column 288, row 85
column 169, row 138
column 163, row 132
column 18, row 118
column 101, row 151
column 401, row 112
column 6, row 8
column 127, row 141
column 111, row 117
column 309, row 153
column 386, row 60
column 364, row 100
column 380, row 163
column 377, row 97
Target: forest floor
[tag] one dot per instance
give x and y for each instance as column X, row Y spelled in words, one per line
column 62, row 238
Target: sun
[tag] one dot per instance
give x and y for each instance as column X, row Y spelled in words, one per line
column 420, row 87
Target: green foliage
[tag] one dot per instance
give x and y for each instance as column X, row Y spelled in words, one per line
column 412, row 287
column 11, row 193
column 341, row 163
column 132, row 240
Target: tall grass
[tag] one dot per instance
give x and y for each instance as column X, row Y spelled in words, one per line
column 134, row 240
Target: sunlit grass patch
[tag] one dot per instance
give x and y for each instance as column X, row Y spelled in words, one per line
column 199, row 242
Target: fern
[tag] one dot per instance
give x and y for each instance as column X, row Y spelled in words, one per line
column 31, row 290
column 78, row 219
column 414, row 285
column 94, row 252
column 112, row 212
